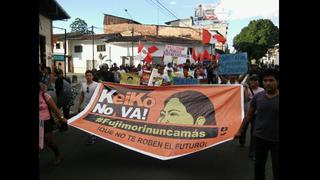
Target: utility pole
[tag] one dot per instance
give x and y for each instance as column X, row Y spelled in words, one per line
column 92, row 47
column 132, row 44
column 132, row 31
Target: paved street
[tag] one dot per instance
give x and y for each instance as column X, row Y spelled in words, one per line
column 105, row 160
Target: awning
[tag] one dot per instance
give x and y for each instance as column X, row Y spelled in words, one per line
column 52, row 10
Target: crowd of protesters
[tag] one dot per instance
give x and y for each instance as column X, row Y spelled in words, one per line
column 206, row 73
column 58, row 91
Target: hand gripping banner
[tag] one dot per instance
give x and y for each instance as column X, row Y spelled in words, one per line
column 163, row 122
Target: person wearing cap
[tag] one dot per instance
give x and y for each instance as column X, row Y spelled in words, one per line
column 253, row 89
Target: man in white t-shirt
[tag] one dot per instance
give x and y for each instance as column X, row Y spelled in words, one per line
column 168, row 67
column 86, row 92
column 165, row 77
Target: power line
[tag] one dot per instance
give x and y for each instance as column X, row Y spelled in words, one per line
column 158, row 7
column 171, row 13
column 167, row 9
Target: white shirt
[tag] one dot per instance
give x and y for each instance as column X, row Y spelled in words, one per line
column 256, row 91
column 88, row 91
column 165, row 78
column 168, row 68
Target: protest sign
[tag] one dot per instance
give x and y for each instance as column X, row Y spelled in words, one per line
column 155, row 78
column 233, row 63
column 145, row 77
column 174, row 54
column 129, row 78
column 180, row 81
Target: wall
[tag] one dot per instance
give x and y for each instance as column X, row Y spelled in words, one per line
column 152, row 30
column 80, row 59
column 58, row 51
column 45, row 29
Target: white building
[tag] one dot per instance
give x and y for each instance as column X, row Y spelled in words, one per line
column 205, row 18
column 121, row 47
column 81, row 51
column 272, row 56
column 114, row 48
column 49, row 10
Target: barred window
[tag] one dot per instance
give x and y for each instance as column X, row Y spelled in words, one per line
column 101, row 48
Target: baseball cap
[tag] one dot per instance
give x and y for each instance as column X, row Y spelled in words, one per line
column 254, row 77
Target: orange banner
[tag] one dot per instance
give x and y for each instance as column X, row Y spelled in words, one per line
column 163, row 122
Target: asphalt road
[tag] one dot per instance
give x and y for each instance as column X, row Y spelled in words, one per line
column 107, row 161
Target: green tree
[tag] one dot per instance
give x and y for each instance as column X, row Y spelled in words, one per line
column 80, row 26
column 256, row 38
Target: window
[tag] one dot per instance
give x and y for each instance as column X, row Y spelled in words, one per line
column 57, row 45
column 77, row 48
column 101, row 48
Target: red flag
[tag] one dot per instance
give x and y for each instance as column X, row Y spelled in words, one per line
column 220, row 38
column 206, row 37
column 140, row 46
column 212, row 37
column 152, row 49
column 148, row 58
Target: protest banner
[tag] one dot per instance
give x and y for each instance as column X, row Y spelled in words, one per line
column 174, row 54
column 163, row 122
column 180, row 81
column 129, row 78
column 233, row 63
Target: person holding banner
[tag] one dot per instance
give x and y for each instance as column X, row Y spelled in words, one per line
column 46, row 122
column 252, row 90
column 183, row 108
column 233, row 79
column 86, row 92
column 266, row 131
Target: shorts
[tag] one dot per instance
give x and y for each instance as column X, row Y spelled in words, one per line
column 48, row 126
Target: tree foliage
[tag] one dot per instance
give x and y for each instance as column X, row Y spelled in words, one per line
column 256, row 38
column 80, row 26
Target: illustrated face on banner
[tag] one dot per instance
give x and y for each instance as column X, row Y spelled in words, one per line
column 181, row 108
column 175, row 112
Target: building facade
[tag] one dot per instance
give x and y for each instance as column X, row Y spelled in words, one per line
column 49, row 10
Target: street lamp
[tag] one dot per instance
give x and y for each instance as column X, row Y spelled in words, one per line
column 65, row 52
column 131, row 33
